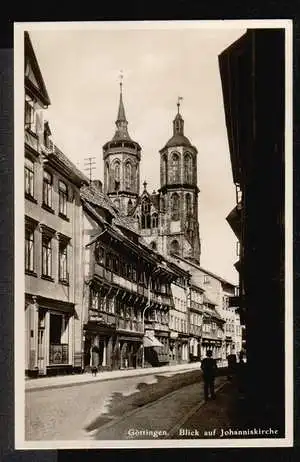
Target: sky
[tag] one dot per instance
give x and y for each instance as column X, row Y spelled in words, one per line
column 81, row 70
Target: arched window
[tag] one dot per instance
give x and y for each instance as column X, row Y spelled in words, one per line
column 162, row 204
column 106, row 176
column 188, row 168
column 117, row 203
column 188, row 204
column 155, row 220
column 175, row 247
column 164, row 170
column 129, row 206
column 128, row 170
column 175, row 168
column 117, row 176
column 153, row 245
column 175, row 207
column 146, row 221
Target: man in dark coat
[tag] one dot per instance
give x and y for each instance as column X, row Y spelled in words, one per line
column 209, row 368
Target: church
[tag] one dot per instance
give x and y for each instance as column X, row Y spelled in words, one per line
column 166, row 219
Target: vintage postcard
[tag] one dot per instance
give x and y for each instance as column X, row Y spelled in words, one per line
column 153, row 173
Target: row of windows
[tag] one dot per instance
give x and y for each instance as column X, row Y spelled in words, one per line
column 47, row 188
column 180, row 304
column 47, row 256
column 171, row 172
column 129, row 270
column 196, row 319
column 130, row 175
column 180, row 325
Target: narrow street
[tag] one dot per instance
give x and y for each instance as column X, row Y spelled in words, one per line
column 79, row 411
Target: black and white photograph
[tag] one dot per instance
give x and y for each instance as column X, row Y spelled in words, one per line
column 153, row 234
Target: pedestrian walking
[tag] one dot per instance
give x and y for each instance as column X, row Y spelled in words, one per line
column 209, row 368
column 231, row 365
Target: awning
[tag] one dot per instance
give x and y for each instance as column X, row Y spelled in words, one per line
column 152, row 342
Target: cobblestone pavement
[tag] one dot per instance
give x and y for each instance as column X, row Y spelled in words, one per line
column 158, row 419
column 65, row 413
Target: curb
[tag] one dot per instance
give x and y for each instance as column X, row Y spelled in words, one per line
column 193, row 411
column 116, row 421
column 107, row 379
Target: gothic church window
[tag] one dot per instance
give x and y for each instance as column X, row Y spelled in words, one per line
column 154, row 220
column 146, row 218
column 129, row 206
column 117, row 203
column 164, row 170
column 175, row 207
column 188, row 204
column 175, row 247
column 162, row 204
column 153, row 245
column 188, row 168
column 117, row 176
column 128, row 170
column 175, row 168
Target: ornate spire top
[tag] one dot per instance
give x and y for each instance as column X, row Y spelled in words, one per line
column 121, row 111
column 145, row 185
column 180, row 98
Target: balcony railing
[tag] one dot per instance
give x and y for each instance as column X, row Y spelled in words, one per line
column 59, row 353
column 129, row 325
column 104, row 318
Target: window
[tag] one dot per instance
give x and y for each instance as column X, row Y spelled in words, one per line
column 46, row 256
column 117, row 176
column 188, row 169
column 63, row 198
column 47, row 189
column 153, row 245
column 154, row 220
column 164, row 178
column 175, row 207
column 175, row 247
column 146, row 220
column 29, row 250
column 128, row 169
column 129, row 206
column 206, row 279
column 29, row 177
column 117, row 203
column 175, row 172
column 188, row 204
column 162, row 204
column 63, row 262
column 29, row 115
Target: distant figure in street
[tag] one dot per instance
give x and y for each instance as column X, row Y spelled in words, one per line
column 241, row 374
column 209, row 368
column 231, row 365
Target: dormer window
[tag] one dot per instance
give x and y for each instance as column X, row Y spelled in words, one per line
column 29, row 114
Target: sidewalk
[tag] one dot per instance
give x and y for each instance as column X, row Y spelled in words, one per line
column 77, row 379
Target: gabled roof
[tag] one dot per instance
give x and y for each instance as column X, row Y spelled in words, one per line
column 125, row 222
column 34, row 81
column 153, row 198
column 94, row 196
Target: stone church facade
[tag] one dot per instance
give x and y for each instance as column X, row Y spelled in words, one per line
column 167, row 219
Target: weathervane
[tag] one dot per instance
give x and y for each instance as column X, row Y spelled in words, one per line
column 121, row 80
column 180, row 98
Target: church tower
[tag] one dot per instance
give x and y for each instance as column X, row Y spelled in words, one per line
column 122, row 158
column 179, row 194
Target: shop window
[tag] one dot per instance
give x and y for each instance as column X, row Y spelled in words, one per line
column 47, row 189
column 29, row 178
column 58, row 339
column 63, row 198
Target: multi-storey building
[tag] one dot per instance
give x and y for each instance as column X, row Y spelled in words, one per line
column 195, row 309
column 127, row 290
column 253, row 82
column 53, row 283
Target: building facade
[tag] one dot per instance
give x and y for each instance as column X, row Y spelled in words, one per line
column 196, row 314
column 253, row 81
column 53, row 280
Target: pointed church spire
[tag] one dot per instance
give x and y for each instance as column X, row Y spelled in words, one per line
column 121, row 111
column 121, row 122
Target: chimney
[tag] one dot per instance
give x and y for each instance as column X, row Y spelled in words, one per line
column 97, row 184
